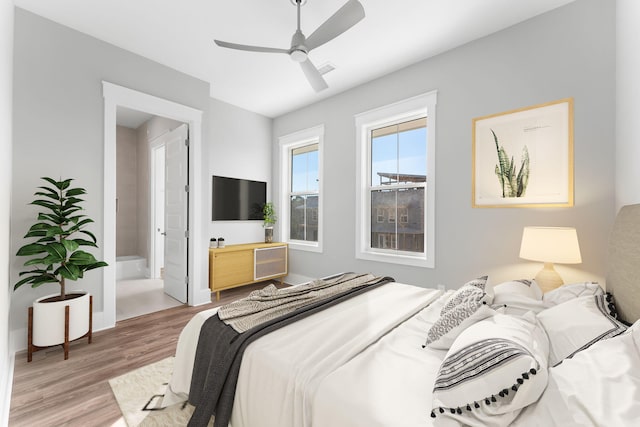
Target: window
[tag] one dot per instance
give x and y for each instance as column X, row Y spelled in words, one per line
column 395, row 177
column 301, row 201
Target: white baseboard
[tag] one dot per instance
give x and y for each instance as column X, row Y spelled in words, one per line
column 202, row 296
column 297, row 279
column 6, row 385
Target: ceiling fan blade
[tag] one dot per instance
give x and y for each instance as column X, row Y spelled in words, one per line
column 313, row 75
column 251, row 48
column 346, row 17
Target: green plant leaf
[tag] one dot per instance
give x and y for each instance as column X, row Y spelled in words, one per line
column 36, row 261
column 68, row 271
column 80, row 224
column 46, row 240
column 57, row 250
column 24, row 281
column 76, row 218
column 41, row 280
column 65, row 184
column 54, row 231
column 51, row 181
column 96, row 265
column 38, row 233
column 31, row 249
column 56, row 219
column 82, row 258
column 46, row 204
column 90, row 234
column 52, row 195
column 50, row 191
column 83, row 242
column 69, row 211
column 75, row 192
column 70, row 245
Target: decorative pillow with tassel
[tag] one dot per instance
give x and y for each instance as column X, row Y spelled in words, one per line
column 494, row 368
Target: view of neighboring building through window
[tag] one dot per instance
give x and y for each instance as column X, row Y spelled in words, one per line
column 303, row 196
column 300, row 200
column 395, row 182
column 398, row 176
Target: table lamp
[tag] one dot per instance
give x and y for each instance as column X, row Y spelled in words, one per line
column 550, row 245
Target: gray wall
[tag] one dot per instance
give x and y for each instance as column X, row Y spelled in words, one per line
column 627, row 102
column 240, row 147
column 126, row 191
column 569, row 52
column 58, row 124
column 6, row 82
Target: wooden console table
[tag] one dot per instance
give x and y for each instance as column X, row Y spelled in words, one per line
column 239, row 265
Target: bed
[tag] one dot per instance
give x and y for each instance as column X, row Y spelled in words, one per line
column 482, row 355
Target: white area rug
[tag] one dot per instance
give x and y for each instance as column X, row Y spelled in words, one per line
column 134, row 389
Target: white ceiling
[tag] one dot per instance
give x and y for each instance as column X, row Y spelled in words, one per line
column 180, row 34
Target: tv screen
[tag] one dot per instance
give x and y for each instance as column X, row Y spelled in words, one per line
column 237, row 199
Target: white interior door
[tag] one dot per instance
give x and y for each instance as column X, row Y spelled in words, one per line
column 176, row 213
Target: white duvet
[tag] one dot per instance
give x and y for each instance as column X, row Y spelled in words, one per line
column 281, row 372
column 599, row 387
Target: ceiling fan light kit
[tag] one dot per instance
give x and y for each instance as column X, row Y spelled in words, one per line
column 346, row 17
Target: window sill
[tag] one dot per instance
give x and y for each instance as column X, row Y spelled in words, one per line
column 416, row 261
column 307, row 247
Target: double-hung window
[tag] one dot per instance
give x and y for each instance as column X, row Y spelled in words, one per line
column 395, row 182
column 301, row 184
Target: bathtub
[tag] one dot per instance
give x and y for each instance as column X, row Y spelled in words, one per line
column 130, row 267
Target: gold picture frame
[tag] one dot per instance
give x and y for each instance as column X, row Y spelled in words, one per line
column 524, row 158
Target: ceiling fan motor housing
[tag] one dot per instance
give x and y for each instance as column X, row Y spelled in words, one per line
column 298, row 50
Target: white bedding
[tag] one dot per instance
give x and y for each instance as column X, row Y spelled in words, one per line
column 361, row 364
column 388, row 385
column 597, row 387
column 280, row 373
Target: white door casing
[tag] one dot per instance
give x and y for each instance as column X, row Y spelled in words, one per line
column 114, row 96
column 176, row 213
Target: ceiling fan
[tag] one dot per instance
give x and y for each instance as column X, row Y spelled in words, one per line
column 346, row 17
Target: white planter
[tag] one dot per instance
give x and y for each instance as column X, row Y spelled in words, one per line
column 48, row 319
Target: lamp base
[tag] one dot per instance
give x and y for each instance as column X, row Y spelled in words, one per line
column 548, row 278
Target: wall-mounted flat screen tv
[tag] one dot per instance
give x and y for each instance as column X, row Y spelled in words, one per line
column 237, row 199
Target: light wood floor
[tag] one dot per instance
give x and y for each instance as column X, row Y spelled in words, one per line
column 51, row 391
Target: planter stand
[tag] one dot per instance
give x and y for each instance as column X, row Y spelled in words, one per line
column 33, row 348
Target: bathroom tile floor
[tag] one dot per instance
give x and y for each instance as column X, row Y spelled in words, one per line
column 135, row 297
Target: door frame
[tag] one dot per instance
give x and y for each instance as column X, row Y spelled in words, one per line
column 114, row 96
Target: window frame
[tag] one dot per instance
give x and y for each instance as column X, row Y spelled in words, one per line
column 405, row 110
column 288, row 143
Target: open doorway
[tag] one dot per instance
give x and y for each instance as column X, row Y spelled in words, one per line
column 198, row 291
column 142, row 171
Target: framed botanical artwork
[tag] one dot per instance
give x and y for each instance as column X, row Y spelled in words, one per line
column 524, row 157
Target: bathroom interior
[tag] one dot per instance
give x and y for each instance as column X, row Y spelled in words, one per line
column 140, row 213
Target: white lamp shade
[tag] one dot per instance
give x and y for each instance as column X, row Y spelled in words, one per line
column 551, row 244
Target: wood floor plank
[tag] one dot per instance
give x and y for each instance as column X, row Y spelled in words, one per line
column 51, row 391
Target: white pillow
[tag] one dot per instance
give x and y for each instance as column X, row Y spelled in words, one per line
column 571, row 291
column 466, row 291
column 493, row 370
column 463, row 308
column 578, row 323
column 450, row 324
column 524, row 287
column 516, row 305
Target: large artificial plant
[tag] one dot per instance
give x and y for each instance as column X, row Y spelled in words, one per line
column 513, row 184
column 59, row 233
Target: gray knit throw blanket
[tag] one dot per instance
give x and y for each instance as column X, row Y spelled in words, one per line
column 269, row 303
